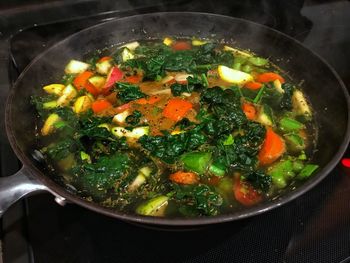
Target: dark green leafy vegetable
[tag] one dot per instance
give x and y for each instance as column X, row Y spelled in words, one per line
column 169, row 147
column 39, row 101
column 103, row 174
column 196, row 200
column 226, row 111
column 134, row 118
column 68, row 79
column 194, row 83
column 129, row 92
column 286, row 101
column 154, row 60
column 62, row 149
column 259, row 180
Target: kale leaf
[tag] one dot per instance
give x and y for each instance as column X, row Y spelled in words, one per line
column 259, row 180
column 129, row 92
column 169, row 147
column 134, row 118
column 155, row 59
column 241, row 154
column 177, row 89
column 62, row 149
column 39, row 101
column 103, row 174
column 286, row 101
column 226, row 111
column 194, row 83
column 196, row 200
column 68, row 79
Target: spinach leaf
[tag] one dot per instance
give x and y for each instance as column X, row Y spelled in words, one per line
column 177, row 89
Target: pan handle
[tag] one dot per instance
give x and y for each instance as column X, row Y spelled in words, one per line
column 17, row 186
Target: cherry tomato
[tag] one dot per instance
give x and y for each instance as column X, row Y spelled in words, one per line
column 245, row 193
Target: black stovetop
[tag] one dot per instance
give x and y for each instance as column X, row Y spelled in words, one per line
column 313, row 228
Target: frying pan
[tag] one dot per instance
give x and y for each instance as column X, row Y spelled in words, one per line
column 321, row 84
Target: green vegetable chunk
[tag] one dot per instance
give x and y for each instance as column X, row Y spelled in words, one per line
column 290, row 125
column 258, row 61
column 281, row 173
column 196, row 161
column 294, row 142
column 307, row 171
column 153, row 207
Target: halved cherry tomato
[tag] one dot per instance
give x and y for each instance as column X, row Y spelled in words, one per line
column 245, row 193
column 182, row 177
column 181, row 45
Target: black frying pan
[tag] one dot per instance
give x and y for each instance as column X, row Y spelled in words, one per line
column 324, row 88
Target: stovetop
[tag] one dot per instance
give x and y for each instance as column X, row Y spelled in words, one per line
column 313, row 228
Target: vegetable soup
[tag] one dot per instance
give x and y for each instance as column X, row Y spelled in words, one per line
column 176, row 128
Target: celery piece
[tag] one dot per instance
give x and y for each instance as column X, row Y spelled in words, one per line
column 247, row 68
column 297, row 166
column 85, row 157
column 307, row 171
column 217, row 169
column 289, row 125
column 258, row 61
column 229, row 140
column 237, row 66
column 294, row 142
column 196, row 161
column 281, row 172
column 240, row 60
